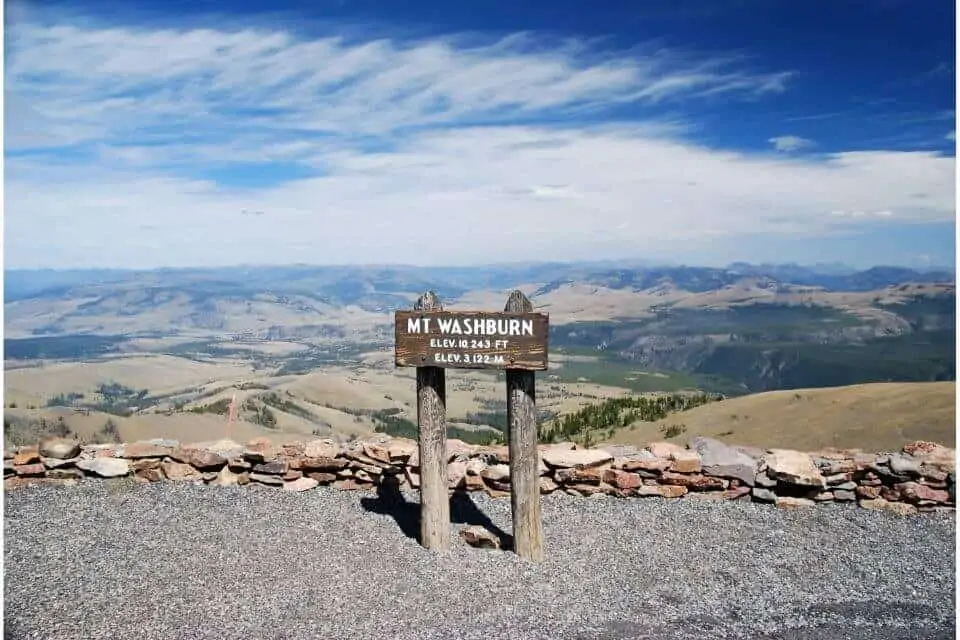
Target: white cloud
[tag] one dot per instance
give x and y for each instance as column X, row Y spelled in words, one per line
column 790, row 143
column 951, row 136
column 433, row 151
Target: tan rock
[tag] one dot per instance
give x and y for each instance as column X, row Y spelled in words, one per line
column 377, row 452
column 401, row 450
column 456, row 474
column 479, row 537
column 292, row 474
column 351, row 485
column 322, row 464
column 665, row 449
column 475, row 467
column 547, row 485
column 662, row 490
column 300, row 484
column 59, row 448
column 622, row 479
column 26, row 456
column 179, row 471
column 33, row 469
column 138, row 450
column 413, row 478
column 323, row 448
column 788, row 502
column 793, row 467
column 915, row 492
column 657, row 465
column 685, row 462
column 868, row 493
column 199, row 459
column 576, row 458
column 899, row 508
column 225, row 478
column 322, row 477
column 147, row 469
column 496, row 472
column 590, row 476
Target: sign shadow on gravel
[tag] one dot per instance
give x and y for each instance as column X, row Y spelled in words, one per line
column 391, row 502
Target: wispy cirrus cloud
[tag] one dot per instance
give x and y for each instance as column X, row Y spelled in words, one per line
column 355, row 148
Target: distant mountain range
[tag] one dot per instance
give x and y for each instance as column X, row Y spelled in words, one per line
column 374, row 285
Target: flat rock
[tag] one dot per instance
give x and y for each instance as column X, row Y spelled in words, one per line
column 323, row 448
column 622, row 479
column 902, row 463
column 199, row 459
column 685, row 462
column 788, row 502
column 793, row 467
column 915, row 492
column 321, row 464
column 401, row 449
column 26, row 455
column 843, row 495
column 225, row 448
column 479, row 537
column 57, row 463
column 496, row 472
column 33, row 469
column 575, row 458
column 105, row 467
column 664, row 449
column 275, row 468
column 179, row 471
column 899, row 508
column 300, row 484
column 723, row 461
column 138, row 450
column 59, row 448
column 267, row 479
column 662, row 490
column 763, row 495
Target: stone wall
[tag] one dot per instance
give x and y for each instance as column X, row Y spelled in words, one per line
column 921, row 477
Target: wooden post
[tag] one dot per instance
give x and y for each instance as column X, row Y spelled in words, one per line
column 432, row 423
column 524, row 460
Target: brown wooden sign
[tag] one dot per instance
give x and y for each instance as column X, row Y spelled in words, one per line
column 471, row 340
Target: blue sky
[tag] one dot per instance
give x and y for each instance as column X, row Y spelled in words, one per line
column 706, row 132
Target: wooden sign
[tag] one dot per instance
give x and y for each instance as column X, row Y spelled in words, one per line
column 471, row 340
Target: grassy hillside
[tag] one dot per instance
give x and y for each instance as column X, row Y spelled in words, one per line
column 868, row 416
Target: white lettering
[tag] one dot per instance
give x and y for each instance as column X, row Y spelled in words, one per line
column 413, row 325
column 527, row 329
column 445, row 324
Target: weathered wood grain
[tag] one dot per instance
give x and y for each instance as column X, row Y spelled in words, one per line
column 432, row 423
column 420, row 340
column 524, row 464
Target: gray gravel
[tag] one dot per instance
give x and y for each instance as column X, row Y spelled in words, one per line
column 114, row 560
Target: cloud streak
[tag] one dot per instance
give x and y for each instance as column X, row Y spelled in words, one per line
column 441, row 150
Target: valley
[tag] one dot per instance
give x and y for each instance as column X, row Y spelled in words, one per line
column 308, row 351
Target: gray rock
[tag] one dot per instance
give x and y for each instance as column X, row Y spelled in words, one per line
column 846, row 486
column 843, row 495
column 105, row 467
column 59, row 448
column 56, row 463
column 264, row 478
column 723, row 461
column 904, row 464
column 763, row 495
column 765, row 481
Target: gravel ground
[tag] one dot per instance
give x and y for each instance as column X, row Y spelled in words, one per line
column 114, row 560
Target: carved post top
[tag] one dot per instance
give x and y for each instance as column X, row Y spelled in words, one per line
column 429, row 301
column 518, row 303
